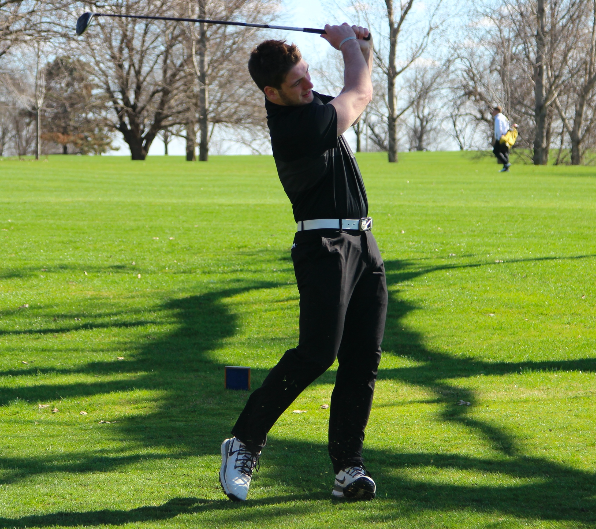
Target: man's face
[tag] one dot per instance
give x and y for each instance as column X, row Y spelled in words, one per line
column 296, row 88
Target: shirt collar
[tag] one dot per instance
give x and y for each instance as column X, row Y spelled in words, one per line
column 273, row 109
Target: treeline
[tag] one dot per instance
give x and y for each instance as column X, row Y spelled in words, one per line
column 538, row 60
column 137, row 78
column 440, row 68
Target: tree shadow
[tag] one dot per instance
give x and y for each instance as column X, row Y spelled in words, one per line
column 194, row 415
column 433, row 368
column 178, row 364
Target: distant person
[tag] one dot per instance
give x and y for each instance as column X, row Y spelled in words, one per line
column 338, row 266
column 501, row 149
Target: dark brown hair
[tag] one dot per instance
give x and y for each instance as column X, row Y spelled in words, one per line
column 271, row 61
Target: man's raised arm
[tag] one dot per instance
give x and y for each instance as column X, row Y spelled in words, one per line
column 357, row 91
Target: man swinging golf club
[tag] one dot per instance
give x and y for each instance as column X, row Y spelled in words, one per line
column 338, row 267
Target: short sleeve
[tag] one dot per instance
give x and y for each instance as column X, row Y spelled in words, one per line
column 307, row 131
column 317, row 129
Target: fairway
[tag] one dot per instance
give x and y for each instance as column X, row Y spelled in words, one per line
column 127, row 287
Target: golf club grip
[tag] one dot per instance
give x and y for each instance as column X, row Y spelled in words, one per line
column 322, row 32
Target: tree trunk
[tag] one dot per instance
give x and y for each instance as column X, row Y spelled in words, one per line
column 203, row 88
column 391, row 96
column 138, row 148
column 576, row 154
column 133, row 136
column 540, row 110
column 576, row 135
column 37, row 133
column 137, row 152
column 358, row 128
column 191, row 136
column 548, row 133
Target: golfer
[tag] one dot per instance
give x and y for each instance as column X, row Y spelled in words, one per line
column 501, row 150
column 338, row 267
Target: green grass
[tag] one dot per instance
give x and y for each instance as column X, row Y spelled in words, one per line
column 126, row 287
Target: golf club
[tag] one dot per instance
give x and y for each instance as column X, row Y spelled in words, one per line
column 85, row 20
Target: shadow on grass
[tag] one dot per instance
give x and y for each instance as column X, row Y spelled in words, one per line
column 197, row 412
column 168, row 510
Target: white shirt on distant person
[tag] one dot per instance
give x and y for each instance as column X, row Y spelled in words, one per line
column 501, row 126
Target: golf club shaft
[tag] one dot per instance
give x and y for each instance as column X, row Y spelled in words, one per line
column 195, row 20
column 228, row 23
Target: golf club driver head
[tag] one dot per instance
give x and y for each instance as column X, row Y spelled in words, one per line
column 83, row 23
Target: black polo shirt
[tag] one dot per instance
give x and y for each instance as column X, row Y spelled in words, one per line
column 316, row 167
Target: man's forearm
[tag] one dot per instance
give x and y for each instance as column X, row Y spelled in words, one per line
column 367, row 53
column 357, row 68
column 357, row 91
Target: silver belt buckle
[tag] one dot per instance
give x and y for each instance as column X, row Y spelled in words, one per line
column 365, row 224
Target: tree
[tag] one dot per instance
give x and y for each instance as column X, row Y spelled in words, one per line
column 68, row 92
column 521, row 58
column 39, row 95
column 462, row 123
column 485, row 74
column 393, row 23
column 424, row 89
column 222, row 93
column 392, row 69
column 549, row 32
column 139, row 67
column 18, row 20
column 579, row 94
column 166, row 137
column 26, row 21
column 4, row 127
column 74, row 111
column 23, row 94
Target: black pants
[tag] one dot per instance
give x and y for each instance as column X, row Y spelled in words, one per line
column 343, row 306
column 501, row 151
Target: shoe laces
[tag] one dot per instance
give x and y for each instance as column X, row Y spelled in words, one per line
column 246, row 462
column 355, row 471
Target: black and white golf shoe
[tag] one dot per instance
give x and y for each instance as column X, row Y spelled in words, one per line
column 237, row 465
column 354, row 483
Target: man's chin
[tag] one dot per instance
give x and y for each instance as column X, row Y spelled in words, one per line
column 308, row 97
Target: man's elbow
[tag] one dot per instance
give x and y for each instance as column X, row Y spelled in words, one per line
column 368, row 91
column 365, row 95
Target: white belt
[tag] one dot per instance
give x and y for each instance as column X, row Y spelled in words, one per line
column 364, row 224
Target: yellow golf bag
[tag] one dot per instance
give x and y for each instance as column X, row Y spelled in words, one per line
column 509, row 138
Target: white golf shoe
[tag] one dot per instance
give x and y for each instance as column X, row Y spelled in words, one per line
column 237, row 465
column 354, row 483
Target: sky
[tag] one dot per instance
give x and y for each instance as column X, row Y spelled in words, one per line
column 307, row 13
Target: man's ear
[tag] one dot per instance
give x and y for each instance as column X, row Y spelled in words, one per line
column 271, row 93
